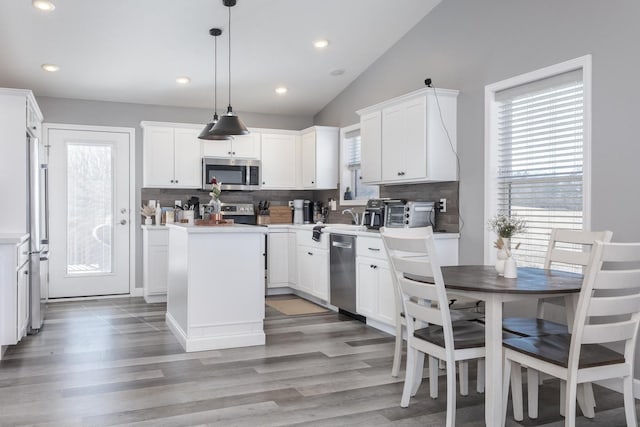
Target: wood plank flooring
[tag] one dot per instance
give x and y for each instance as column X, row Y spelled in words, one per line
column 113, row 362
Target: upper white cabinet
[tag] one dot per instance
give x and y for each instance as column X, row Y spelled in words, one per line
column 320, row 157
column 371, row 150
column 171, row 156
column 240, row 147
column 404, row 140
column 280, row 161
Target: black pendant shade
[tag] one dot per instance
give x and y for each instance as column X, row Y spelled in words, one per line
column 206, row 132
column 229, row 123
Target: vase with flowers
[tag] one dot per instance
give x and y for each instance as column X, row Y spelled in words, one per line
column 215, row 206
column 506, row 227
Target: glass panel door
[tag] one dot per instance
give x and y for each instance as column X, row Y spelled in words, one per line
column 89, row 209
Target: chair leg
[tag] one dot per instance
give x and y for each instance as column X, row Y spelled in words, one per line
column 629, row 402
column 583, row 401
column 571, row 394
column 505, row 389
column 532, row 392
column 463, row 377
column 397, row 353
column 433, row 377
column 412, row 353
column 419, row 368
column 480, row 377
column 516, row 391
column 451, row 394
column 563, row 395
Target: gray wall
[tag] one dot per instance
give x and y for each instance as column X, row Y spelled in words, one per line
column 72, row 111
column 467, row 44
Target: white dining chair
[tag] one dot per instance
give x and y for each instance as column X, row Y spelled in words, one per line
column 566, row 248
column 428, row 319
column 608, row 312
column 401, row 324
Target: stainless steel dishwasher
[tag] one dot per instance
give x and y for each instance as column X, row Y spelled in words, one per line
column 342, row 271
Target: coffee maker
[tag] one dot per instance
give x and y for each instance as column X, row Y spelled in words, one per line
column 298, row 209
column 373, row 217
column 308, row 212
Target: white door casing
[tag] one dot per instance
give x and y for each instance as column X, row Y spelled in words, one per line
column 107, row 150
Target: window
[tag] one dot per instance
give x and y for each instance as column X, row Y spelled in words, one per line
column 537, row 156
column 352, row 191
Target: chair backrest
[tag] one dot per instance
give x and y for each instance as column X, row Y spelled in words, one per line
column 609, row 306
column 572, row 247
column 568, row 248
column 412, row 251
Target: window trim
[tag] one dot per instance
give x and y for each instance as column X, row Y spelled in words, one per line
column 490, row 141
column 343, row 131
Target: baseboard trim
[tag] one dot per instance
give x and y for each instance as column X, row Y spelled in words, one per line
column 151, row 299
column 95, row 297
column 137, row 292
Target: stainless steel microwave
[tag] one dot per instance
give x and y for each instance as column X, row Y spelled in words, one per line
column 234, row 174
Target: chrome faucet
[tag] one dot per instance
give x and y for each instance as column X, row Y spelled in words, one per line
column 354, row 216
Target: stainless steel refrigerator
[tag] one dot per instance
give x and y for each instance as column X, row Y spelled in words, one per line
column 38, row 230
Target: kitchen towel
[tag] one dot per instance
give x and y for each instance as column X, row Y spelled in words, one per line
column 317, row 231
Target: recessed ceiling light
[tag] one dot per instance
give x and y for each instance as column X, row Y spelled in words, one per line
column 184, row 80
column 52, row 68
column 45, row 5
column 321, row 44
column 337, row 72
column 281, row 90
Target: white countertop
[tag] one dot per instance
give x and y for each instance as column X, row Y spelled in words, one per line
column 354, row 230
column 212, row 229
column 13, row 238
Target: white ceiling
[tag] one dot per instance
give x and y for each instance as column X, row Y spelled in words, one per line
column 132, row 50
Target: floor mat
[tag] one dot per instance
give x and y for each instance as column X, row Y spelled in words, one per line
column 294, row 306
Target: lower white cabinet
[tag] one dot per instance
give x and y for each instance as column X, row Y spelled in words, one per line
column 278, row 259
column 313, row 271
column 375, row 297
column 155, row 261
column 14, row 289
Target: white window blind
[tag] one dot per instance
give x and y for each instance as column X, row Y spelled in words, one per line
column 540, row 157
column 353, row 149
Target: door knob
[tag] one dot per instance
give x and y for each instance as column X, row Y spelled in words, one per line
column 123, row 221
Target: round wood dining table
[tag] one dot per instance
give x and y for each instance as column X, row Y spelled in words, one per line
column 483, row 282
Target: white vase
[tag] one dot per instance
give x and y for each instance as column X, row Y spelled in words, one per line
column 510, row 268
column 148, row 221
column 501, row 258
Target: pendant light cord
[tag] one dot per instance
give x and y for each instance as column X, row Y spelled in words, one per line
column 215, row 75
column 229, row 109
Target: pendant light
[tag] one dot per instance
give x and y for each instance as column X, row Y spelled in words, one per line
column 229, row 123
column 205, row 134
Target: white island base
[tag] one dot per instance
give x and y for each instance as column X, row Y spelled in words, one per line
column 215, row 295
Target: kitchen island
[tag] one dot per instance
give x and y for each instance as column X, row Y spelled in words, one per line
column 215, row 294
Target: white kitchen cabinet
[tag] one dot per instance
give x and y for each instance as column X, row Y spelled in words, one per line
column 313, row 264
column 240, row 146
column 371, row 147
column 280, row 161
column 293, row 260
column 14, row 289
column 414, row 144
column 155, row 259
column 278, row 259
column 367, row 287
column 320, row 157
column 313, row 272
column 172, row 156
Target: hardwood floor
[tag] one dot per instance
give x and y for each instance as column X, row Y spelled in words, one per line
column 113, row 362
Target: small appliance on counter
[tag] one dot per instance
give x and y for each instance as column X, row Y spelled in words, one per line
column 307, row 212
column 373, row 217
column 404, row 214
column 298, row 211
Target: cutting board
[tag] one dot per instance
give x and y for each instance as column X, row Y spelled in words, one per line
column 280, row 214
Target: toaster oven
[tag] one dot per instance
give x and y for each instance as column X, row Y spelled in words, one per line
column 404, row 214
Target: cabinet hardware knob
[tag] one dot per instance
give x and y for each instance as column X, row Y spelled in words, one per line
column 123, row 221
column 374, row 249
column 310, row 253
column 263, row 183
column 176, row 181
column 313, row 182
column 26, row 272
column 228, row 152
column 234, row 153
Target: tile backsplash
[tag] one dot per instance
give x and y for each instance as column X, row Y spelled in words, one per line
column 448, row 221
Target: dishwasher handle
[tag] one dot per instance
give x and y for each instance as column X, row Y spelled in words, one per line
column 342, row 245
